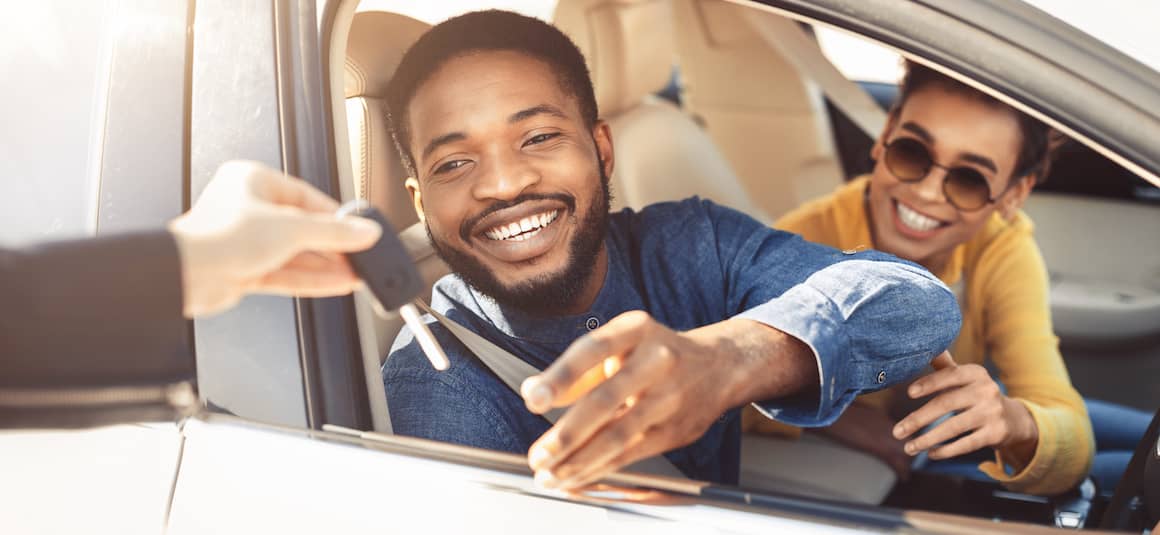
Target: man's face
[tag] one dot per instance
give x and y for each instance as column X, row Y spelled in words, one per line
column 511, row 182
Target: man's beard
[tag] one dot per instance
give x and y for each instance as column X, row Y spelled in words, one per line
column 548, row 293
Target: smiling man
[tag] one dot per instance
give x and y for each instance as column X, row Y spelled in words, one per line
column 705, row 308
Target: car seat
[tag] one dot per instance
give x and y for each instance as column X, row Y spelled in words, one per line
column 768, row 119
column 661, row 153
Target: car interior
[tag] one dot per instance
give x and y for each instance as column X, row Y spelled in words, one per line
column 749, row 128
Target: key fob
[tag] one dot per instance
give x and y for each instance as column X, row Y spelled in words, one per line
column 386, row 268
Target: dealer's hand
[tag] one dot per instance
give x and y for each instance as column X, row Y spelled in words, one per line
column 256, row 230
column 661, row 390
column 985, row 417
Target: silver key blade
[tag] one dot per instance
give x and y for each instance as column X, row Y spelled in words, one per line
column 427, row 342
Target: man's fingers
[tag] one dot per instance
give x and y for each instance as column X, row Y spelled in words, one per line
column 588, row 416
column 951, row 428
column 654, row 441
column 943, row 361
column 594, row 460
column 590, row 380
column 542, row 392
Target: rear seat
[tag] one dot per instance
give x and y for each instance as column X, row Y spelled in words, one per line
column 769, row 120
column 661, row 153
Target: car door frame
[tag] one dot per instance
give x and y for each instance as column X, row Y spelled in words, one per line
column 257, row 93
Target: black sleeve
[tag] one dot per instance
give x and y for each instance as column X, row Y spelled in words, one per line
column 93, row 313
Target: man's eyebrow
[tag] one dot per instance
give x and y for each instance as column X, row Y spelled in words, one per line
column 971, row 157
column 443, row 140
column 542, row 109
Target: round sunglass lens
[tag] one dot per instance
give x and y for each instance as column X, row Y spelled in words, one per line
column 908, row 159
column 967, row 189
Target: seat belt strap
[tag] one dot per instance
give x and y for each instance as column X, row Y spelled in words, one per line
column 802, row 51
column 512, row 370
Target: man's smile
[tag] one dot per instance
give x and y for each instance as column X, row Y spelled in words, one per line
column 524, row 229
column 522, row 232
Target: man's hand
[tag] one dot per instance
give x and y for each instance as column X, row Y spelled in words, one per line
column 985, row 416
column 256, row 230
column 869, row 429
column 653, row 390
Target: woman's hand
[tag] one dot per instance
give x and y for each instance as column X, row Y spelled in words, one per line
column 869, row 429
column 984, row 416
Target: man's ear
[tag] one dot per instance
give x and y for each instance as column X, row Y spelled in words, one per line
column 602, row 134
column 412, row 186
column 1016, row 195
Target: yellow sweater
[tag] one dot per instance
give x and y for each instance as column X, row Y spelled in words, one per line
column 1002, row 285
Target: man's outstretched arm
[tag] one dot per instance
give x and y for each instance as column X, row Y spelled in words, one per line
column 819, row 328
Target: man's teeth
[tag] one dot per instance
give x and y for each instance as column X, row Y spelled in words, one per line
column 915, row 220
column 524, row 228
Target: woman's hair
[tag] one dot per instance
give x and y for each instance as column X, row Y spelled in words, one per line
column 1039, row 142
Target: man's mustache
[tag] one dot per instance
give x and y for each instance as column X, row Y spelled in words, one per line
column 465, row 228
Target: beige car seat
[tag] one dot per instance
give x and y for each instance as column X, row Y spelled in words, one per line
column 767, row 118
column 661, row 153
column 375, row 47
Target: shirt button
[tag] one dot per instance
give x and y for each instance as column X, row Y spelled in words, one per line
column 882, row 377
column 592, row 323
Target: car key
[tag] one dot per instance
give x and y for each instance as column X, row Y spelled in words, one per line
column 390, row 275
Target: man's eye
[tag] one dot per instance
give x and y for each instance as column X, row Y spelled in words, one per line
column 450, row 166
column 540, row 138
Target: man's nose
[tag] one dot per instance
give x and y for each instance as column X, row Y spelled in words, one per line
column 505, row 177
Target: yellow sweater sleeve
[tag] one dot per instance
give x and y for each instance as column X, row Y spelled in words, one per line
column 1023, row 346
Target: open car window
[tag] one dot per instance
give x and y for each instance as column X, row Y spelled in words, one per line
column 748, row 100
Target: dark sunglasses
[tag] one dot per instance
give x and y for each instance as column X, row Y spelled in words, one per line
column 965, row 187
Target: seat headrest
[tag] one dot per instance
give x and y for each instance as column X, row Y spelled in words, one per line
column 376, row 45
column 629, row 46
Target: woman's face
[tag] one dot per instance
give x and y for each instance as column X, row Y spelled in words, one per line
column 914, row 220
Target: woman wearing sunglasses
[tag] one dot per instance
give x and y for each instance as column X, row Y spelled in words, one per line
column 952, row 169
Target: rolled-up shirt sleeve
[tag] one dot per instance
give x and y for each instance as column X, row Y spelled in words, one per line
column 871, row 319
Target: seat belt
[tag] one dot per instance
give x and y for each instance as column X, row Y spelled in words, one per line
column 802, row 51
column 512, row 370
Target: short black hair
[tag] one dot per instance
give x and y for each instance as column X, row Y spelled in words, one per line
column 1035, row 151
column 491, row 30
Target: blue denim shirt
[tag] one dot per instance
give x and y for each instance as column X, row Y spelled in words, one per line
column 872, row 320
